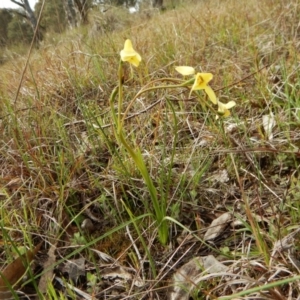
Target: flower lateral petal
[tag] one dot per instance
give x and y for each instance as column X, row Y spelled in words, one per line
column 135, row 60
column 223, row 108
column 185, row 70
column 211, row 94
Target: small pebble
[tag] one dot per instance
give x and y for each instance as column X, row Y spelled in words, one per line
column 88, row 226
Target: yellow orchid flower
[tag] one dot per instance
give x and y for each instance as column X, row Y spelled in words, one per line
column 223, row 109
column 201, row 81
column 129, row 54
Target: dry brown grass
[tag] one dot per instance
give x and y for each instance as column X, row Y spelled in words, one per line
column 58, row 167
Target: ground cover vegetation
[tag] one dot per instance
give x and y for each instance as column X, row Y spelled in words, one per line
column 159, row 160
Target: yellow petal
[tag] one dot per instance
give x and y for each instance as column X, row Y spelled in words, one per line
column 211, row 94
column 226, row 113
column 129, row 54
column 230, row 104
column 207, row 77
column 185, row 70
column 135, row 60
column 128, row 45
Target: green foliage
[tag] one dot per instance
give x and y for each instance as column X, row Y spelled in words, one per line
column 91, row 282
column 5, row 18
column 78, row 239
column 54, row 18
column 19, row 30
column 120, row 2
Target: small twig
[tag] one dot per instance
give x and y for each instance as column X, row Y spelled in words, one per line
column 24, row 109
column 257, row 150
column 243, row 79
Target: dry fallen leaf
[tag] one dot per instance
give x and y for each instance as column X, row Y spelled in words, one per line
column 15, row 270
column 121, row 276
column 190, row 274
column 268, row 122
column 75, row 268
column 217, row 226
column 48, row 275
